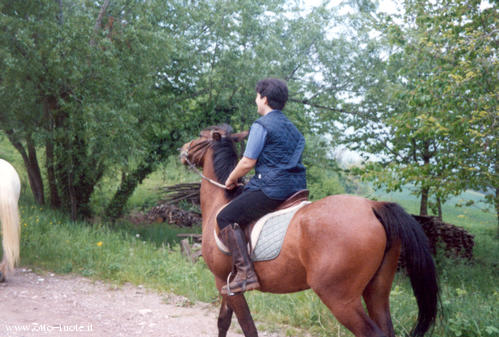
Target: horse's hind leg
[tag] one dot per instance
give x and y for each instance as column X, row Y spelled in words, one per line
column 377, row 293
column 351, row 314
column 345, row 304
column 224, row 318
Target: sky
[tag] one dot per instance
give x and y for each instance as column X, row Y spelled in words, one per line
column 388, row 6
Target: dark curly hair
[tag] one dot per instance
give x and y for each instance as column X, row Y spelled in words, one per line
column 275, row 90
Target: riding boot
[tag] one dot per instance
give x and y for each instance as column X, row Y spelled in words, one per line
column 233, row 237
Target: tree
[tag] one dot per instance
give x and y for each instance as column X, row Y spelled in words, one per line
column 430, row 113
column 112, row 88
column 205, row 84
column 468, row 48
column 74, row 88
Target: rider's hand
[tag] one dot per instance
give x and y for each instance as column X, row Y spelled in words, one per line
column 230, row 183
column 244, row 166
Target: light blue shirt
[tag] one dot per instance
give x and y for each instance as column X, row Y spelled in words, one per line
column 256, row 141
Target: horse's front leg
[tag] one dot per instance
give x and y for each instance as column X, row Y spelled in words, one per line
column 224, row 317
column 240, row 306
column 237, row 304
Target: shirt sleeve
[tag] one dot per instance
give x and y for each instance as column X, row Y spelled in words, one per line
column 256, row 141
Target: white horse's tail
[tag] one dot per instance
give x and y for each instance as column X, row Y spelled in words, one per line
column 10, row 187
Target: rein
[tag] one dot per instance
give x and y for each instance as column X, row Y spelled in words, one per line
column 184, row 155
column 192, row 166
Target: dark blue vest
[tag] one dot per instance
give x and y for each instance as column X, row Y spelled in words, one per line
column 279, row 171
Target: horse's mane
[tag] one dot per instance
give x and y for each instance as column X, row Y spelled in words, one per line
column 225, row 159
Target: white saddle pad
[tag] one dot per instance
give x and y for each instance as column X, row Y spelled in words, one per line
column 268, row 234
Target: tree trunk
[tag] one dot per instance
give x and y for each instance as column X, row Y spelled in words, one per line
column 84, row 173
column 35, row 169
column 439, row 208
column 497, row 209
column 496, row 200
column 79, row 181
column 59, row 16
column 98, row 22
column 131, row 181
column 423, row 210
column 85, row 189
column 55, row 201
column 73, row 201
column 128, row 184
column 425, row 191
column 31, row 163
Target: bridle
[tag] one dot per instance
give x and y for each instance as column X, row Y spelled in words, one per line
column 185, row 155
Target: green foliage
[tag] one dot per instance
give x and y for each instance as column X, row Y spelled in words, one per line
column 430, row 113
column 321, row 183
column 323, row 175
column 8, row 153
column 113, row 96
column 76, row 91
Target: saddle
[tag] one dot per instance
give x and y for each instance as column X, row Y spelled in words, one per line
column 293, row 200
column 286, row 210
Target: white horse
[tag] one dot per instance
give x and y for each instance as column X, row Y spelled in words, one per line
column 10, row 188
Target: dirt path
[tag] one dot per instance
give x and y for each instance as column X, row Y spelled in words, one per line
column 55, row 305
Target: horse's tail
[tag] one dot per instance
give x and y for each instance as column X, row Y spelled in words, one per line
column 9, row 216
column 399, row 225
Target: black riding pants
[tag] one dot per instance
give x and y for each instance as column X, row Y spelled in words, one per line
column 246, row 208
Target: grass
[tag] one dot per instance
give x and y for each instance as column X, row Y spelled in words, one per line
column 51, row 242
column 479, row 215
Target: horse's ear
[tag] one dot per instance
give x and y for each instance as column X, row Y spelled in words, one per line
column 237, row 137
column 216, row 135
column 205, row 133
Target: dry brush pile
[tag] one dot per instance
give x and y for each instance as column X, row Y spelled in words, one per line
column 455, row 241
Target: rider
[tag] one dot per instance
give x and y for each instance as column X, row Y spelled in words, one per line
column 274, row 149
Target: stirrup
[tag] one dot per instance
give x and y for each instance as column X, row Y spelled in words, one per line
column 229, row 293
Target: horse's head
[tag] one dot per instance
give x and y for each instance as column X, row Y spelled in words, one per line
column 195, row 150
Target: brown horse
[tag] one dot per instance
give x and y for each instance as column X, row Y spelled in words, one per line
column 343, row 247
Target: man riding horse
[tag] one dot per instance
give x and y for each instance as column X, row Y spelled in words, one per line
column 274, row 149
column 345, row 248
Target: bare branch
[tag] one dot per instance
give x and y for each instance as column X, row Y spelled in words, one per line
column 98, row 23
column 59, row 16
column 290, row 75
column 319, row 106
column 102, row 11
